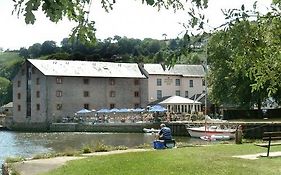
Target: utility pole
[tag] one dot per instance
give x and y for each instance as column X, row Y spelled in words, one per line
column 205, row 66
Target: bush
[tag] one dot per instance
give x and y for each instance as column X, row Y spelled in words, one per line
column 14, row 159
column 121, row 147
column 101, row 147
column 86, row 149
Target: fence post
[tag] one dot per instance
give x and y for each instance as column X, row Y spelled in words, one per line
column 238, row 135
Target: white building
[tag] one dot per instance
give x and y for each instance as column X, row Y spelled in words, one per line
column 180, row 80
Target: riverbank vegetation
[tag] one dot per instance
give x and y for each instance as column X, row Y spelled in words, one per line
column 9, row 65
column 90, row 148
column 210, row 159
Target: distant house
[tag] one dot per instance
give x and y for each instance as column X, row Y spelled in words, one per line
column 5, row 112
column 45, row 91
column 7, row 109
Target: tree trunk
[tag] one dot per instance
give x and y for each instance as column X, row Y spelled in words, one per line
column 259, row 109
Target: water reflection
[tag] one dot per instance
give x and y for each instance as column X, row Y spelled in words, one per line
column 28, row 144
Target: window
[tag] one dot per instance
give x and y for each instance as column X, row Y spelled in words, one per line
column 19, row 83
column 137, row 105
column 178, row 93
column 33, row 70
column 203, row 82
column 59, row 106
column 86, row 94
column 86, row 106
column 186, row 94
column 190, row 83
column 19, row 95
column 59, row 93
column 159, row 94
column 137, row 94
column 86, row 81
column 37, row 81
column 22, row 72
column 38, row 94
column 159, row 82
column 112, row 82
column 19, row 108
column 137, row 82
column 38, row 107
column 178, row 82
column 59, row 80
column 112, row 105
column 112, row 94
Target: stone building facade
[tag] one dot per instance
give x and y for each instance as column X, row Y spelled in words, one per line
column 45, row 91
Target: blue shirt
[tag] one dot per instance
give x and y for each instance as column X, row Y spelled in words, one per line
column 166, row 133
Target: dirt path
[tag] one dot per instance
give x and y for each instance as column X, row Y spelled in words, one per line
column 39, row 166
column 259, row 155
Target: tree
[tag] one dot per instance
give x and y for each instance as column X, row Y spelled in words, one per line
column 23, row 52
column 66, row 46
column 244, row 57
column 5, row 91
column 48, row 47
column 79, row 10
column 35, row 50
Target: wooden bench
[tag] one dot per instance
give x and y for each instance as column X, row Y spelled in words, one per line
column 270, row 136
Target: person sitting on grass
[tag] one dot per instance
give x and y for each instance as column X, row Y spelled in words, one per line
column 165, row 133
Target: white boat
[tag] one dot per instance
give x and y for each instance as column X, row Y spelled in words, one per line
column 211, row 133
column 151, row 130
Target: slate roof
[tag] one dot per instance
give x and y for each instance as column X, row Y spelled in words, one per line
column 178, row 69
column 87, row 68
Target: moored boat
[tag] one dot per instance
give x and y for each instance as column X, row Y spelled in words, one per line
column 211, row 133
column 151, row 130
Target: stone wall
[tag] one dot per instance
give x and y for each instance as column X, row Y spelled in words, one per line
column 178, row 129
column 30, row 127
column 108, row 127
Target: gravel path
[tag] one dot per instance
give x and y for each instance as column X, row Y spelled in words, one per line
column 259, row 155
column 39, row 166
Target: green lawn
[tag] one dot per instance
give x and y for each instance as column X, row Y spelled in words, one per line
column 215, row 159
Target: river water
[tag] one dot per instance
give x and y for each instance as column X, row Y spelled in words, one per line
column 24, row 144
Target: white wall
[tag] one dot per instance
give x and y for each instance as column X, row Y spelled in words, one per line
column 169, row 86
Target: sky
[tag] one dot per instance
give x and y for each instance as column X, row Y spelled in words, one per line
column 128, row 18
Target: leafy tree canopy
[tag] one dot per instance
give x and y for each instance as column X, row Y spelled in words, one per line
column 244, row 58
column 5, row 91
column 79, row 10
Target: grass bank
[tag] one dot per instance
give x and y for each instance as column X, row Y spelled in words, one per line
column 215, row 159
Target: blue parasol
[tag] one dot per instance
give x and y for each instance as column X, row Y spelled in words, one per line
column 138, row 110
column 157, row 108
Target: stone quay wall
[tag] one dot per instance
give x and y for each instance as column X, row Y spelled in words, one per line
column 251, row 130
